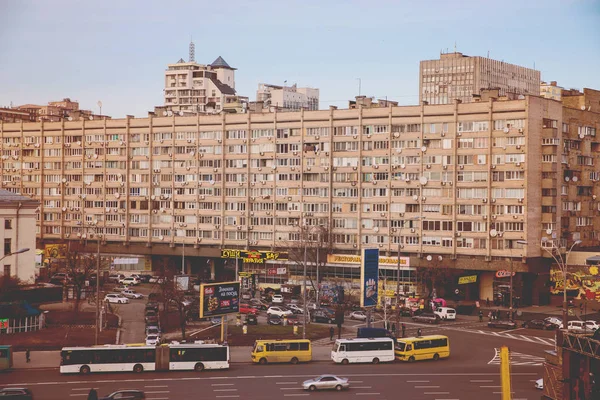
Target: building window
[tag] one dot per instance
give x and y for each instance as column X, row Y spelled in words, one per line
column 7, row 246
column 7, row 270
column 8, row 224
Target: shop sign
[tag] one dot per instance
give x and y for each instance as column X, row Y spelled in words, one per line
column 3, row 323
column 254, row 256
column 55, row 250
column 369, row 277
column 350, row 259
column 504, row 274
column 219, row 299
column 277, row 271
column 463, row 280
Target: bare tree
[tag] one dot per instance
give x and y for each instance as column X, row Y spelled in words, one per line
column 79, row 267
column 172, row 295
column 8, row 286
column 314, row 244
column 436, row 275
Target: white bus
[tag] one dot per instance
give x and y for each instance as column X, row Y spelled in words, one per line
column 363, row 350
column 138, row 358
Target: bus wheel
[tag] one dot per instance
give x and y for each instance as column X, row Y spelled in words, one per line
column 294, row 360
column 199, row 367
column 262, row 361
column 411, row 359
column 138, row 368
column 436, row 357
column 345, row 361
column 84, row 370
column 376, row 360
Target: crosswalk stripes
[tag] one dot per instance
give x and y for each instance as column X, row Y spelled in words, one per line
column 531, row 339
column 518, row 359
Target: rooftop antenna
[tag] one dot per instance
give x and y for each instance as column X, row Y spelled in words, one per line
column 488, row 54
column 455, row 46
column 192, row 51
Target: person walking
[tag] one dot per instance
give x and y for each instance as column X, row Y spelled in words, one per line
column 419, row 332
column 28, row 355
column 480, row 316
column 403, row 330
column 394, row 329
column 331, row 333
column 93, row 394
column 487, row 302
column 490, row 316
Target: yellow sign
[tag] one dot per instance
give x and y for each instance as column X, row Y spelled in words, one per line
column 350, row 259
column 55, row 250
column 467, row 279
column 147, row 264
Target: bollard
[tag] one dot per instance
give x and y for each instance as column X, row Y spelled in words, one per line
column 296, row 329
column 245, row 329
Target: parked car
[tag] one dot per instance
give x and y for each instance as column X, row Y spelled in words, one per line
column 445, row 313
column 326, row 382
column 274, row 319
column 251, row 319
column 323, row 316
column 130, row 280
column 247, row 309
column 578, row 326
column 429, row 318
column 60, row 278
column 277, row 299
column 279, row 311
column 591, row 325
column 132, row 294
column 152, row 330
column 557, row 322
column 115, row 278
column 246, row 296
column 120, row 288
column 151, row 317
column 358, row 315
column 144, row 278
column 125, row 395
column 152, row 340
column 296, row 309
column 539, row 384
column 538, row 324
column 16, row 393
column 504, row 324
column 154, row 296
column 155, row 279
column 116, row 298
column 261, row 305
column 152, row 305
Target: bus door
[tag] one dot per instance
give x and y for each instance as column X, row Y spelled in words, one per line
column 341, row 351
column 163, row 357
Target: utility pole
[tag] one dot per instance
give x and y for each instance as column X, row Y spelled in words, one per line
column 303, row 231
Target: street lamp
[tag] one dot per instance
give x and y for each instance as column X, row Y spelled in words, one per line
column 563, row 264
column 16, row 252
column 521, row 242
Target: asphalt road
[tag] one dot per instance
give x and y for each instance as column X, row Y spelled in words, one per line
column 471, row 372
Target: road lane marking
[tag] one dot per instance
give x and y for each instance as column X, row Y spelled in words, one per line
column 296, row 394
column 220, row 384
column 355, row 381
column 225, row 390
column 153, row 386
column 417, row 381
column 158, row 391
column 229, row 396
column 362, row 387
column 490, row 386
column 298, row 388
column 78, row 394
column 481, row 380
column 284, row 383
column 368, row 394
column 427, row 387
column 74, row 389
column 436, row 392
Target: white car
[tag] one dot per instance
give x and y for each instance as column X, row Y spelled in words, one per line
column 555, row 320
column 130, row 280
column 539, row 384
column 277, row 298
column 152, row 340
column 279, row 311
column 359, row 315
column 576, row 326
column 296, row 308
column 116, row 298
column 591, row 325
column 132, row 294
column 445, row 313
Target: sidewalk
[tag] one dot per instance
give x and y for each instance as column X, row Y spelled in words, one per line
column 237, row 355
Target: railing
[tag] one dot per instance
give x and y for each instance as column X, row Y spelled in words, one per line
column 579, row 343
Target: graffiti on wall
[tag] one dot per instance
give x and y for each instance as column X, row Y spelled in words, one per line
column 583, row 282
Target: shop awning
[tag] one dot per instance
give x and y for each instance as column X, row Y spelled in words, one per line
column 595, row 260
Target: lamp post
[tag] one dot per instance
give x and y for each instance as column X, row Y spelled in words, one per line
column 304, row 283
column 510, row 308
column 563, row 264
column 13, row 253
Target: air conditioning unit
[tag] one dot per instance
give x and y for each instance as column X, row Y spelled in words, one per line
column 493, row 166
column 520, row 130
column 443, row 183
column 493, row 200
column 518, row 146
column 518, row 164
column 461, row 166
column 412, row 230
column 458, row 134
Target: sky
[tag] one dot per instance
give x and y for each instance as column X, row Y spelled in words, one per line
column 116, row 51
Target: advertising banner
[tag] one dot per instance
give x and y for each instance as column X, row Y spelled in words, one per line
column 463, row 280
column 369, row 277
column 254, row 256
column 218, row 299
column 55, row 251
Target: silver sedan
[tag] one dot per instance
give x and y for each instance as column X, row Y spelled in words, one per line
column 326, row 382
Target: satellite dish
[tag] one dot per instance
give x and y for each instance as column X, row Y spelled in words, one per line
column 493, row 233
column 70, row 118
column 170, row 113
column 567, row 179
column 181, row 113
column 424, row 149
column 506, row 130
column 549, row 231
column 423, row 180
column 165, row 113
column 91, row 118
column 583, row 108
column 99, row 104
column 429, row 258
column 574, row 179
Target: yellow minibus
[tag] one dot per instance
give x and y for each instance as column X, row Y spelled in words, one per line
column 280, row 351
column 431, row 347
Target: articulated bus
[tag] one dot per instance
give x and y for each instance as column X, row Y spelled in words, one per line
column 6, row 358
column 274, row 351
column 138, row 358
column 431, row 347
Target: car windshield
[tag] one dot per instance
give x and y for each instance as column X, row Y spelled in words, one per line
column 400, row 346
column 152, row 337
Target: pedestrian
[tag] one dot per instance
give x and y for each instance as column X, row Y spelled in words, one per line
column 403, row 330
column 487, row 302
column 93, row 395
column 497, row 314
column 27, row 355
column 331, row 333
column 490, row 316
column 394, row 328
column 480, row 316
column 418, row 332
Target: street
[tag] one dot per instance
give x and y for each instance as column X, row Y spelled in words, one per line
column 471, row 372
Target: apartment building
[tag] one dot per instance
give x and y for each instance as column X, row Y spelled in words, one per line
column 458, row 76
column 56, row 111
column 15, row 115
column 551, row 91
column 287, row 98
column 456, row 185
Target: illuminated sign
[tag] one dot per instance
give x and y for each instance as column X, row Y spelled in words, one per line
column 504, row 274
column 254, row 256
column 219, row 299
column 55, row 251
column 350, row 259
column 467, row 279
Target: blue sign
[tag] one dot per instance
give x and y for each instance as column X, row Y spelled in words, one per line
column 369, row 277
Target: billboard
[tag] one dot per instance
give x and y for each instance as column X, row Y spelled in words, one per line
column 369, row 277
column 254, row 256
column 55, row 251
column 219, row 299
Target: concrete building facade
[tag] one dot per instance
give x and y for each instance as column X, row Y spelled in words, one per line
column 17, row 228
column 551, row 91
column 457, row 76
column 287, row 98
column 462, row 183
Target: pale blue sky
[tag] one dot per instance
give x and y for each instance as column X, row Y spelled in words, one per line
column 116, row 51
